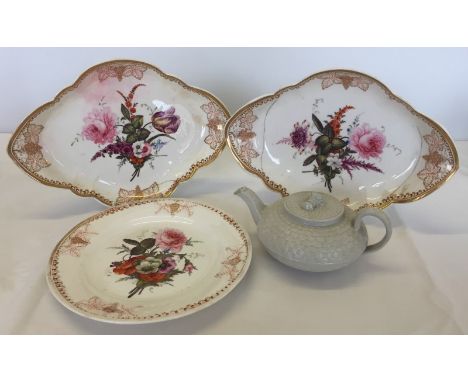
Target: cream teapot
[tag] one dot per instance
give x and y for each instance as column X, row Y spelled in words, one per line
column 312, row 231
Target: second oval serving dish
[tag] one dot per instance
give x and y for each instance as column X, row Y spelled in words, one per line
column 343, row 132
column 123, row 130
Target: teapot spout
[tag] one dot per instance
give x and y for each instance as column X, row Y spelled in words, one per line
column 254, row 203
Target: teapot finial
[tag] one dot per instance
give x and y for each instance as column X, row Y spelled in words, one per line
column 314, row 208
column 315, row 201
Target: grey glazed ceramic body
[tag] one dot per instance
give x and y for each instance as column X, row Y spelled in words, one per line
column 306, row 233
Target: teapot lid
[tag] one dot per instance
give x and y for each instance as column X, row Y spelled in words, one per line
column 314, row 208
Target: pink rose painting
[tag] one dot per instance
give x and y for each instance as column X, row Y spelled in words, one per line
column 100, row 126
column 367, row 142
column 330, row 151
column 171, row 239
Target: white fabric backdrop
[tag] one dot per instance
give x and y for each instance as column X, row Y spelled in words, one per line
column 416, row 284
column 434, row 81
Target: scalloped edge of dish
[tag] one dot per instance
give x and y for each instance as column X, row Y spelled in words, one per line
column 91, row 193
column 393, row 198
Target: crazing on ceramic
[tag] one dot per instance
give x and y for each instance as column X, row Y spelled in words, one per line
column 313, row 231
column 346, row 133
column 149, row 261
column 124, row 130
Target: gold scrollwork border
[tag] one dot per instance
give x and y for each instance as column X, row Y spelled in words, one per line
column 393, row 198
column 90, row 193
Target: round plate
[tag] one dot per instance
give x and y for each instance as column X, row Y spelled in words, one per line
column 149, row 261
column 346, row 133
column 123, row 130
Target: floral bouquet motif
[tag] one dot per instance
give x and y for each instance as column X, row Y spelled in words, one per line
column 129, row 138
column 330, row 152
column 154, row 261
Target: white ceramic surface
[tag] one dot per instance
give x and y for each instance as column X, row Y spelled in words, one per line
column 344, row 132
column 149, row 262
column 124, row 129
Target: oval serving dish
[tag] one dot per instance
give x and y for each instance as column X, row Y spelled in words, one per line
column 149, row 261
column 123, row 130
column 343, row 132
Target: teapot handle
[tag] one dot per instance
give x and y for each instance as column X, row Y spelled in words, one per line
column 379, row 215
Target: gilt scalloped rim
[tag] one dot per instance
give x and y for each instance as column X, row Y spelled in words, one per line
column 350, row 78
column 24, row 126
column 233, row 270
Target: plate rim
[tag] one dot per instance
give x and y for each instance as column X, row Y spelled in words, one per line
column 91, row 193
column 392, row 198
column 205, row 302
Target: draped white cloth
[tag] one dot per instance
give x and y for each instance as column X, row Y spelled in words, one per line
column 415, row 284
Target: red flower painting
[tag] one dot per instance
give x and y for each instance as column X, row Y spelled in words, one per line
column 154, row 261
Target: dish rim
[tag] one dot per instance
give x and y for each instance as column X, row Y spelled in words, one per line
column 392, row 198
column 201, row 305
column 91, row 193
